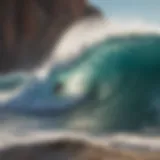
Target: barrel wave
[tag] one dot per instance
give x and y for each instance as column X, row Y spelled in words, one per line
column 112, row 85
column 120, row 78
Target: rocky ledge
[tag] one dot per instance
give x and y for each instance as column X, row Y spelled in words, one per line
column 65, row 149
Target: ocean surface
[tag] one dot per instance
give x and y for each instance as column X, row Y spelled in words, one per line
column 101, row 81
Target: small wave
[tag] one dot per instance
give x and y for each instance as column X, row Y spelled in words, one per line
column 136, row 142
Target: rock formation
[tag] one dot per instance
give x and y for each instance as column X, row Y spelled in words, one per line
column 30, row 28
column 72, row 150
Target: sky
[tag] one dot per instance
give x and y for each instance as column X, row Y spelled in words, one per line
column 148, row 10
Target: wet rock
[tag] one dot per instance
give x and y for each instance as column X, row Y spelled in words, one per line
column 72, row 150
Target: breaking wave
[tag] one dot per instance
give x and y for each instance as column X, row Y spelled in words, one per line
column 101, row 77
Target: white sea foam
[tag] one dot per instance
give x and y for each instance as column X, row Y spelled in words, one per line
column 118, row 140
column 88, row 32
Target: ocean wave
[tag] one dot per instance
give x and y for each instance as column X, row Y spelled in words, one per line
column 102, row 77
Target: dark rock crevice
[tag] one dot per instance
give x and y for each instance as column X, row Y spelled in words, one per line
column 30, row 29
column 67, row 149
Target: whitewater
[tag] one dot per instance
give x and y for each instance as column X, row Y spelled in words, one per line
column 31, row 111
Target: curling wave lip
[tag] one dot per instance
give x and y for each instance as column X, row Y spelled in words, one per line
column 42, row 104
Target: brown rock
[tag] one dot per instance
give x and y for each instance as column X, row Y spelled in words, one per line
column 72, row 150
column 30, row 28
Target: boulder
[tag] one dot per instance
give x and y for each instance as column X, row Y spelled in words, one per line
column 67, row 149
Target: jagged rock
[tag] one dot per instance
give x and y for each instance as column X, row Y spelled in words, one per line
column 72, row 150
column 29, row 29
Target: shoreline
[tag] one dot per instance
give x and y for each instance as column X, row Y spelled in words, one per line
column 64, row 149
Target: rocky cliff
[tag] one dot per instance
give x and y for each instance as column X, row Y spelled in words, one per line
column 30, row 28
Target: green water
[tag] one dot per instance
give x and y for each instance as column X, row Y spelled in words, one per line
column 120, row 78
column 113, row 85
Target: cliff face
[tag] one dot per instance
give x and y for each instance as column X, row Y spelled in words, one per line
column 29, row 29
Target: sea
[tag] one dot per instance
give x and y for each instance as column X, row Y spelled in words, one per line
column 100, row 82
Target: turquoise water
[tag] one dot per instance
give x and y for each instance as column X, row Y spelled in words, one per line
column 113, row 85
